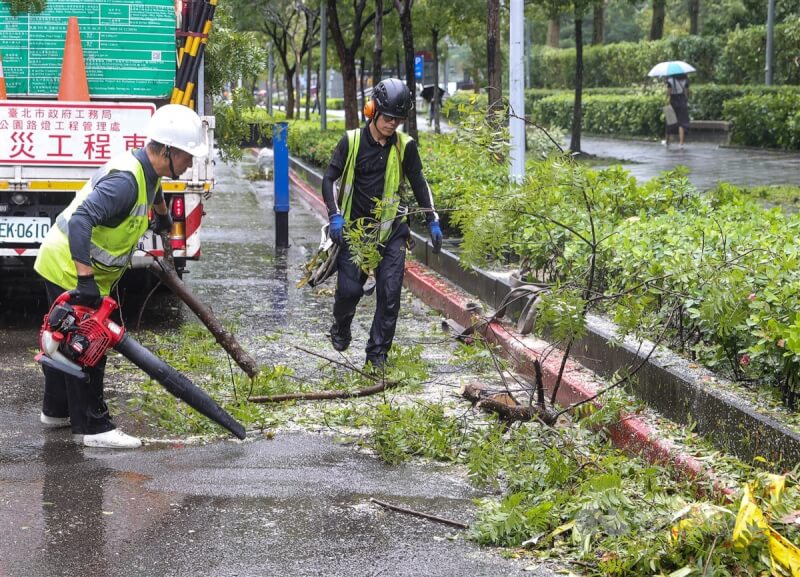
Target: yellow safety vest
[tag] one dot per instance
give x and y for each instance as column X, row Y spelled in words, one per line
column 110, row 247
column 391, row 180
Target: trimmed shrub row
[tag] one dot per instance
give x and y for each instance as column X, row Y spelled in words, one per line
column 760, row 116
column 737, row 58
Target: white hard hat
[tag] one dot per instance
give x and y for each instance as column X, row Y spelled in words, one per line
column 180, row 127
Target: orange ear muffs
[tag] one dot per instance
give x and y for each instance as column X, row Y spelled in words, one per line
column 369, row 109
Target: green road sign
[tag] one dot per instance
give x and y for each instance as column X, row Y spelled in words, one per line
column 128, row 47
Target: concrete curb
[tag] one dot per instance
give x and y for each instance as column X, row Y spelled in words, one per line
column 677, row 388
column 578, row 383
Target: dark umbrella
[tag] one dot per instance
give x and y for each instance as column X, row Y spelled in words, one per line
column 427, row 92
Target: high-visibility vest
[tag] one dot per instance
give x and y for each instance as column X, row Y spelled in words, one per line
column 391, row 180
column 110, row 247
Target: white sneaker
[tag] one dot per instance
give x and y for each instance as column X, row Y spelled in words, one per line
column 53, row 422
column 113, row 439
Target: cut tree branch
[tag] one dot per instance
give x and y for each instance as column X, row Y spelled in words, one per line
column 507, row 411
column 168, row 277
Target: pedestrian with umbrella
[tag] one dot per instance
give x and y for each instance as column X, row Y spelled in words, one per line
column 676, row 112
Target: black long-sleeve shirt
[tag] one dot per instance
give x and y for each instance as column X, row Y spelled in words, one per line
column 108, row 204
column 368, row 180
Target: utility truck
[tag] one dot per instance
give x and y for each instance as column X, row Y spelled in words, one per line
column 136, row 56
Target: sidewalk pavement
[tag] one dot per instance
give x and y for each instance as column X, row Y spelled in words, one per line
column 708, row 163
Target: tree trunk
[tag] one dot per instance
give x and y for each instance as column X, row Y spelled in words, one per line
column 297, row 68
column 361, row 75
column 694, row 17
column 289, row 104
column 598, row 22
column 657, row 23
column 350, row 94
column 577, row 116
column 377, row 53
column 554, row 32
column 404, row 10
column 494, row 62
column 347, row 59
column 206, row 315
column 435, row 100
column 308, row 87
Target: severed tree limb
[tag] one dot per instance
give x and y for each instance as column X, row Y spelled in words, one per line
column 326, row 395
column 420, row 514
column 169, row 277
column 380, row 386
column 499, row 404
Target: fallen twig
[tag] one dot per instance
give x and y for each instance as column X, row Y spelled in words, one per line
column 380, row 386
column 420, row 514
column 325, row 395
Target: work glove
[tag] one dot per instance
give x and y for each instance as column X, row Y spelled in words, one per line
column 436, row 236
column 336, row 229
column 87, row 294
column 161, row 223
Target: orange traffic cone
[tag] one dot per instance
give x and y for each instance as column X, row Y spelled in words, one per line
column 3, row 94
column 74, row 85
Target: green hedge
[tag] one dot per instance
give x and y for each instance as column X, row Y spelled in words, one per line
column 630, row 115
column 737, row 58
column 766, row 120
column 765, row 116
column 707, row 102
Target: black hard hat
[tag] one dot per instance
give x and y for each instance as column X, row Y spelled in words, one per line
column 392, row 97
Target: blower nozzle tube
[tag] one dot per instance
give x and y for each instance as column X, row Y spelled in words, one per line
column 177, row 384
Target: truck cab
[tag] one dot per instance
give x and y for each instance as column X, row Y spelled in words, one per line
column 49, row 147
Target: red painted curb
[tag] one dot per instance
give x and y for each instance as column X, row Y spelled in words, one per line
column 577, row 383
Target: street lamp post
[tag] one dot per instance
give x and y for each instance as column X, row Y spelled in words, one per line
column 516, row 123
column 770, row 45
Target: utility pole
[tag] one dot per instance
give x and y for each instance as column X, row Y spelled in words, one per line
column 516, row 69
column 322, row 81
column 527, row 53
column 770, row 46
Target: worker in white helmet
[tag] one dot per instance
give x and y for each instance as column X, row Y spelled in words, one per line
column 89, row 248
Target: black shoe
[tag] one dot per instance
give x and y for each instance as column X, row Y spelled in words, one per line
column 340, row 339
column 375, row 364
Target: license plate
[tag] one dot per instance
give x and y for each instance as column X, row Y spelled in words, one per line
column 23, row 229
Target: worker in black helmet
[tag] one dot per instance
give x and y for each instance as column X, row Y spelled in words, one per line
column 375, row 162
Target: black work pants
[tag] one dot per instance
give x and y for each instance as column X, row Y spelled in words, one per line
column 67, row 396
column 388, row 286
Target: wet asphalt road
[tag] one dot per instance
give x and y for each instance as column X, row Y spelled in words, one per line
column 297, row 504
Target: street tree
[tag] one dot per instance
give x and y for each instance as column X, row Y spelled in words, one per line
column 494, row 61
column 599, row 21
column 578, row 8
column 293, row 27
column 347, row 32
column 403, row 8
column 694, row 17
column 377, row 51
column 469, row 29
column 230, row 54
column 433, row 20
column 657, row 22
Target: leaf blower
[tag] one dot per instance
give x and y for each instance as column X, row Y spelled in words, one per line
column 73, row 337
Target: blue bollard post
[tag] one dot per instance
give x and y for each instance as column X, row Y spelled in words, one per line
column 280, row 177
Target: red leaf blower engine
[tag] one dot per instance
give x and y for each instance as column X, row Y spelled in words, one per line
column 74, row 337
